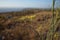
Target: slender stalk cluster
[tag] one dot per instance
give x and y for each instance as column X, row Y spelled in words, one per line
column 54, row 23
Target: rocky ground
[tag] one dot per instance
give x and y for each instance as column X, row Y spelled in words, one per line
column 33, row 25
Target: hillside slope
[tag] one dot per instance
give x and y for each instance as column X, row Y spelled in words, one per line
column 33, row 26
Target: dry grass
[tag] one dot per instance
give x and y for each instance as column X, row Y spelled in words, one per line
column 33, row 26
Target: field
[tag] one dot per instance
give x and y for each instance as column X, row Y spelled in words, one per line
column 32, row 24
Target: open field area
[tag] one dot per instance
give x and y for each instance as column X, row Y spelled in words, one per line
column 27, row 25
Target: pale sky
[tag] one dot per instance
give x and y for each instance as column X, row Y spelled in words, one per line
column 26, row 3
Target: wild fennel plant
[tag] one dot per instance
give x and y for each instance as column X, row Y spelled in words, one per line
column 54, row 24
